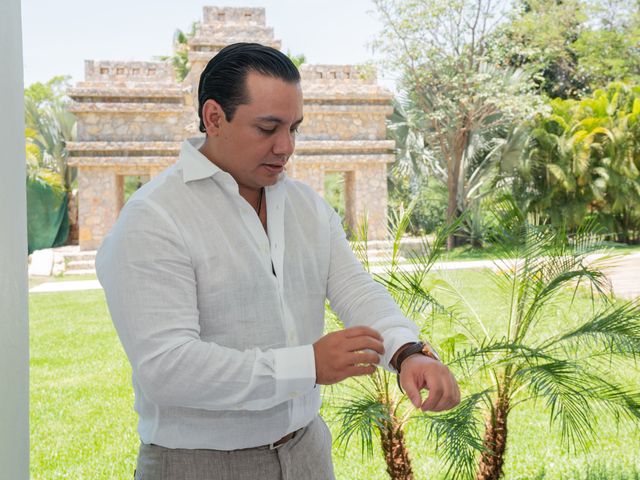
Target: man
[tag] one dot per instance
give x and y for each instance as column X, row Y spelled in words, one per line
column 216, row 274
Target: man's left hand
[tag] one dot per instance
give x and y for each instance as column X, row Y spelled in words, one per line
column 420, row 371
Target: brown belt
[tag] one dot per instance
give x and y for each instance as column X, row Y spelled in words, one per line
column 282, row 441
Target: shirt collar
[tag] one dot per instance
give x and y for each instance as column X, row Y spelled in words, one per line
column 195, row 166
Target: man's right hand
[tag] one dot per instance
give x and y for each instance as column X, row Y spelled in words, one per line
column 347, row 353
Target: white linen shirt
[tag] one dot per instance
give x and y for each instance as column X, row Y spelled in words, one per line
column 220, row 347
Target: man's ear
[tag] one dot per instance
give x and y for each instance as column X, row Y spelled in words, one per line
column 212, row 117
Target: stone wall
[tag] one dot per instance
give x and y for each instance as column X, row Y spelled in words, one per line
column 132, row 117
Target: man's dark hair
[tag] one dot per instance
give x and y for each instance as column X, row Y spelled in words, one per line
column 224, row 77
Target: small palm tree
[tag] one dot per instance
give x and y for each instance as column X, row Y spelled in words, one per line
column 374, row 406
column 567, row 371
column 503, row 362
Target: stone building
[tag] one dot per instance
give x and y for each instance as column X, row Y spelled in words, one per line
column 132, row 117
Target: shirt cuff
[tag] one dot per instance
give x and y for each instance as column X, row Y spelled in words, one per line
column 394, row 338
column 295, row 371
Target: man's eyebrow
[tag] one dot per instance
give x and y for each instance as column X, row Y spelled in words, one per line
column 278, row 120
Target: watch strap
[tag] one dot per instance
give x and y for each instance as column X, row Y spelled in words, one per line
column 417, row 347
column 413, row 348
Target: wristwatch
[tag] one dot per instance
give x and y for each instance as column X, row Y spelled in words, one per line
column 413, row 348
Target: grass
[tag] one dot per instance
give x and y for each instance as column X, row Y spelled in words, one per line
column 83, row 424
column 38, row 280
column 82, row 420
column 490, row 252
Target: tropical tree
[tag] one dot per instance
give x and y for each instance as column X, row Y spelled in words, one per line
column 570, row 47
column 538, row 36
column 553, row 178
column 609, row 121
column 373, row 406
column 582, row 159
column 49, row 126
column 479, row 166
column 440, row 51
column 180, row 57
column 410, row 178
column 32, row 152
column 509, row 359
column 52, row 127
column 568, row 371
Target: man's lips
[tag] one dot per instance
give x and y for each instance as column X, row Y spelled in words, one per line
column 275, row 166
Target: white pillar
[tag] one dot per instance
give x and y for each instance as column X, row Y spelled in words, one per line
column 14, row 324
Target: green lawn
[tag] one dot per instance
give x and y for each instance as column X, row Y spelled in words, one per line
column 469, row 253
column 37, row 280
column 83, row 424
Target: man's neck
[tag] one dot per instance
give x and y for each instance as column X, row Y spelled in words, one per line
column 250, row 194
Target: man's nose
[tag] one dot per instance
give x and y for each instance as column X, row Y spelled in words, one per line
column 285, row 143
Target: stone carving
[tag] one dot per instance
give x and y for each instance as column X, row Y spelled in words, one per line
column 132, row 117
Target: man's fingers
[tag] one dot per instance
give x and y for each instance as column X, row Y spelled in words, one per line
column 359, row 370
column 361, row 330
column 363, row 343
column 358, row 358
column 433, row 398
column 412, row 390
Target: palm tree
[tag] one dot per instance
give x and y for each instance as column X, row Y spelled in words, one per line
column 180, row 57
column 610, row 120
column 374, row 406
column 504, row 362
column 54, row 127
column 567, row 371
column 583, row 159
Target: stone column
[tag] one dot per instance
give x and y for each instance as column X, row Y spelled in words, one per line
column 366, row 195
column 100, row 197
column 350, row 208
column 311, row 174
column 14, row 323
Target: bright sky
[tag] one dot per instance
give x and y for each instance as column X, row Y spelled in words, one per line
column 58, row 35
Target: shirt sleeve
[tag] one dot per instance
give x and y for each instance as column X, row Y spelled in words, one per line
column 359, row 300
column 150, row 284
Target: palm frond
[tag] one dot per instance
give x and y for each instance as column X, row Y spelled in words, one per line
column 494, row 353
column 456, row 435
column 407, row 284
column 361, row 417
column 616, row 329
column 561, row 385
column 572, row 393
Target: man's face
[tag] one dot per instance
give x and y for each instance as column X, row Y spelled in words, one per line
column 257, row 143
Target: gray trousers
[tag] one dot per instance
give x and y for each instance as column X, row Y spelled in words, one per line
column 307, row 456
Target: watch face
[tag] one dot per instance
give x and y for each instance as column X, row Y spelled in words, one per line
column 426, row 350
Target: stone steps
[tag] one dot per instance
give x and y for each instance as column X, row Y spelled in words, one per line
column 78, row 262
column 74, row 265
